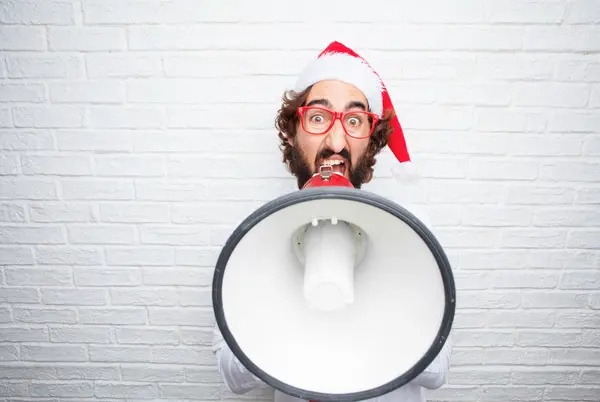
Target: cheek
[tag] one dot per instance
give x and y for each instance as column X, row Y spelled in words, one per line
column 358, row 148
column 309, row 144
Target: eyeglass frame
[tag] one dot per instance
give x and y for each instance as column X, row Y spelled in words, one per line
column 337, row 115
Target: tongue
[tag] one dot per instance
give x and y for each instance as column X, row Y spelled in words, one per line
column 338, row 169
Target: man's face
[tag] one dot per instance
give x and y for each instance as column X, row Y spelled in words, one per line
column 316, row 150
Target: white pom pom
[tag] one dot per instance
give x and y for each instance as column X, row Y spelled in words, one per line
column 405, row 173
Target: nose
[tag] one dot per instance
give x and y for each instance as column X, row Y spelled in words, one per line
column 336, row 138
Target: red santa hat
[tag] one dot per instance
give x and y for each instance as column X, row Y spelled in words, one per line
column 338, row 62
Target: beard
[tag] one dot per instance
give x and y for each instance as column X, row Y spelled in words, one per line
column 300, row 167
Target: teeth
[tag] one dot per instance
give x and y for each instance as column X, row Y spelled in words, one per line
column 334, row 162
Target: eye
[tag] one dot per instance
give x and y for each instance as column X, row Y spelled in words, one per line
column 317, row 118
column 354, row 121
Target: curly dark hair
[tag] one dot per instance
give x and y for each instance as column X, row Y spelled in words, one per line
column 287, row 121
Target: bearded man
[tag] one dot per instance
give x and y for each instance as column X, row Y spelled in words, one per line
column 338, row 118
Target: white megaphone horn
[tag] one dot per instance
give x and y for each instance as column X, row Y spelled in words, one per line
column 333, row 294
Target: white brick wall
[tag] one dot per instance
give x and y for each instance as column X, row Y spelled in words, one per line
column 135, row 134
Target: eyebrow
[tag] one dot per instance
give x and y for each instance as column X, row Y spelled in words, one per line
column 326, row 103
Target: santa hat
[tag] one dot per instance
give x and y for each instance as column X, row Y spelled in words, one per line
column 338, row 62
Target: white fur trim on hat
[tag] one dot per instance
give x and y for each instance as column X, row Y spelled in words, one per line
column 346, row 68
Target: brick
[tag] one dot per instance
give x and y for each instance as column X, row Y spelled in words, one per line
column 550, row 338
column 480, row 38
column 94, row 140
column 87, row 38
column 498, row 120
column 45, row 315
column 173, row 190
column 177, row 276
column 580, row 280
column 590, row 376
column 33, row 93
column 121, row 354
column 97, row 189
column 591, row 146
column 9, row 165
column 516, row 355
column 183, row 355
column 591, row 338
column 576, row 319
column 206, row 375
column 143, row 297
column 22, row 38
column 188, row 235
column 197, row 256
column 521, row 319
column 467, row 376
column 147, row 336
column 554, row 300
column 196, row 336
column 6, row 117
column 502, row 169
column 553, row 95
column 64, row 390
column 60, row 212
column 179, row 316
column 464, row 192
column 588, row 239
column 522, row 280
column 102, row 234
column 201, row 297
column 467, row 238
column 134, row 212
column 14, row 389
column 64, row 255
column 573, row 259
column 513, row 11
column 496, row 216
column 80, row 334
column 38, row 12
column 47, row 276
column 126, row 117
column 212, row 212
column 562, row 38
column 19, row 295
column 572, row 171
column 573, row 121
column 143, row 166
column 16, row 255
column 12, row 213
column 218, row 116
column 574, row 356
column 32, row 235
column 45, row 66
column 567, row 217
column 113, row 315
column 579, row 393
column 533, row 238
column 87, row 372
column 24, row 140
column 103, row 276
column 27, row 372
column 498, row 393
column 154, row 373
column 49, row 116
column 54, row 353
column 9, row 353
column 28, row 189
column 578, row 68
column 582, row 12
column 89, row 92
column 531, row 194
column 121, row 12
column 21, row 334
column 151, row 256
column 74, row 297
column 489, row 300
column 5, row 315
column 204, row 391
column 125, row 65
column 121, row 390
column 225, row 166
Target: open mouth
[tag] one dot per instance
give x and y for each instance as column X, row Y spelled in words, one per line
column 336, row 165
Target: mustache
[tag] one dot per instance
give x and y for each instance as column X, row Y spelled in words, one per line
column 326, row 153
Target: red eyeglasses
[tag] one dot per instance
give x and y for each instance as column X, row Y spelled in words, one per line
column 318, row 120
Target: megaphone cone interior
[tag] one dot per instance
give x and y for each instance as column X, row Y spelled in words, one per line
column 332, row 293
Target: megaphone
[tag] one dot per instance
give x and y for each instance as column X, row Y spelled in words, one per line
column 331, row 293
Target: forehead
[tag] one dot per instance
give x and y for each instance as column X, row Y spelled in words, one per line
column 338, row 93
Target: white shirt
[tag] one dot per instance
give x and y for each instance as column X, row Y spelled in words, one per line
column 240, row 381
